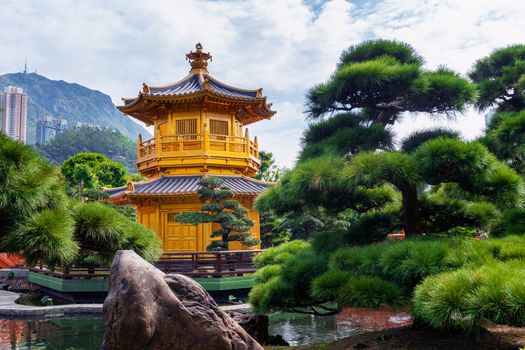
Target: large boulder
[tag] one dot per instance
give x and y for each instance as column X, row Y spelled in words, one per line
column 147, row 309
column 257, row 327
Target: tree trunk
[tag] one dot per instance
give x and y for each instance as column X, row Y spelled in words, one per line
column 411, row 214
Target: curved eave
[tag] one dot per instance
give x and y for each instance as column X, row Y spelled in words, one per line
column 168, row 195
column 138, row 108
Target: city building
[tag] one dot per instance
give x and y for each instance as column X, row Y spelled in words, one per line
column 75, row 125
column 13, row 114
column 48, row 127
column 199, row 130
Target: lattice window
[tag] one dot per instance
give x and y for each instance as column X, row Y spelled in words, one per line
column 186, row 126
column 219, row 127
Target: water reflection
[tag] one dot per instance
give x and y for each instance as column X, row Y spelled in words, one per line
column 86, row 333
column 52, row 334
column 306, row 329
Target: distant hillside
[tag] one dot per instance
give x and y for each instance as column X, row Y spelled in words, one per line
column 73, row 102
column 112, row 144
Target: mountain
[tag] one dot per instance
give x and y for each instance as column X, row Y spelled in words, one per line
column 69, row 101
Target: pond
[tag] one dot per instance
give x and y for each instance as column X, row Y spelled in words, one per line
column 299, row 329
column 83, row 333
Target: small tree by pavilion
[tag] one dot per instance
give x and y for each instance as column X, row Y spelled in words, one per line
column 220, row 207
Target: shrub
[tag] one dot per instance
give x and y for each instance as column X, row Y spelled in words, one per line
column 265, row 273
column 370, row 292
column 462, row 298
column 280, row 254
column 48, row 236
column 405, row 262
column 511, row 222
column 326, row 286
column 101, row 231
column 291, row 287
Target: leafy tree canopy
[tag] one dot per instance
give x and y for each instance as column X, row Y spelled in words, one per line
column 501, row 79
column 268, row 171
column 111, row 144
column 93, row 170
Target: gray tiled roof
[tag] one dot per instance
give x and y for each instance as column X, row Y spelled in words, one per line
column 193, row 84
column 168, row 185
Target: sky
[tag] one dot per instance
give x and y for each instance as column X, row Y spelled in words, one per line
column 283, row 46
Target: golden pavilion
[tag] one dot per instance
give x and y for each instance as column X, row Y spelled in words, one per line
column 199, row 129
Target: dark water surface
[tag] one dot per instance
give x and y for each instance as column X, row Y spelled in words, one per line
column 86, row 333
column 56, row 334
column 299, row 329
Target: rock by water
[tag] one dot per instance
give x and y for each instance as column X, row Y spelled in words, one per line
column 149, row 310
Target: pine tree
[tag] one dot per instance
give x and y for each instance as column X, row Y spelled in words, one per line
column 220, row 207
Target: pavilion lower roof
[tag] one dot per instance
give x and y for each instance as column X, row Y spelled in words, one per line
column 185, row 185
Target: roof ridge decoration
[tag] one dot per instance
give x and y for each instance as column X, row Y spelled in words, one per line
column 198, row 59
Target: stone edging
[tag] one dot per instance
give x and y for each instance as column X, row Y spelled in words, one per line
column 9, row 307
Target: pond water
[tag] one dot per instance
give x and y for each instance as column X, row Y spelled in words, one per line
column 56, row 334
column 86, row 333
column 299, row 329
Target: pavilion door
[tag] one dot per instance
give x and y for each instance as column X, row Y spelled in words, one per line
column 179, row 237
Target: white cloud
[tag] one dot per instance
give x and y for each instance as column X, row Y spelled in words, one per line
column 284, row 46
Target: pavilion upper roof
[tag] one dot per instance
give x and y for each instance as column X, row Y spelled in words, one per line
column 195, row 83
column 198, row 85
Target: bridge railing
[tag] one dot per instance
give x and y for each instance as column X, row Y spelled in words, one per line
column 192, row 264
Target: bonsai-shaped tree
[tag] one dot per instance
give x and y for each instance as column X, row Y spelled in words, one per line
column 219, row 207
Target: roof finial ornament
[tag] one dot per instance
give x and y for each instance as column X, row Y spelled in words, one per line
column 198, row 59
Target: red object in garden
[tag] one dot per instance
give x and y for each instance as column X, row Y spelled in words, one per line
column 10, row 260
column 399, row 235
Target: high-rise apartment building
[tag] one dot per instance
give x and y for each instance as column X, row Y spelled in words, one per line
column 48, row 127
column 13, row 115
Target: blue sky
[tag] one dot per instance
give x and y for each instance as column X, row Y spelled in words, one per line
column 284, row 46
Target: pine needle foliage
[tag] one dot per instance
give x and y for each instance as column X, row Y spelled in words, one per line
column 100, row 231
column 38, row 221
column 46, row 236
column 219, row 207
column 417, row 138
column 499, row 78
column 387, row 78
column 460, row 300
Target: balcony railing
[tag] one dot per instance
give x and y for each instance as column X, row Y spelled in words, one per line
column 209, row 264
column 182, row 145
column 192, row 264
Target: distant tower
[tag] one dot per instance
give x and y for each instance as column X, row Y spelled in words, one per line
column 13, row 103
column 25, row 67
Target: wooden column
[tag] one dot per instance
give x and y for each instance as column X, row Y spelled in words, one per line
column 247, row 142
column 156, row 131
column 205, row 138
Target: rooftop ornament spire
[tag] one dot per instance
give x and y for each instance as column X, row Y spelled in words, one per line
column 198, row 59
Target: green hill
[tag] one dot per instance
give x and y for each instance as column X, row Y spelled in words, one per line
column 69, row 101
